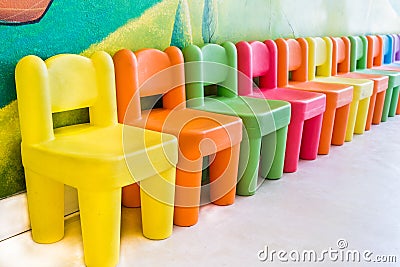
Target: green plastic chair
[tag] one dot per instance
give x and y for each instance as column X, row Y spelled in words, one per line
column 212, row 85
column 361, row 52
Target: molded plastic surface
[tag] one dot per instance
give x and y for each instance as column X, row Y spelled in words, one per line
column 97, row 158
column 320, row 69
column 341, row 51
column 256, row 59
column 151, row 72
column 367, row 52
column 264, row 121
column 293, row 73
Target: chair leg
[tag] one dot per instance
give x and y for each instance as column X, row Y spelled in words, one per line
column 326, row 130
column 223, row 176
column 388, row 101
column 187, row 195
column 295, row 131
column 395, row 100
column 372, row 107
column 100, row 214
column 46, row 207
column 157, row 196
column 362, row 114
column 398, row 105
column 351, row 123
column 340, row 125
column 379, row 106
column 131, row 196
column 311, row 136
column 248, row 166
column 276, row 170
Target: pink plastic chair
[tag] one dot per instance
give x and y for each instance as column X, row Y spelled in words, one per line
column 257, row 59
column 341, row 68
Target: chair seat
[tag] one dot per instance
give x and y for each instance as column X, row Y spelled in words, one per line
column 101, row 155
column 381, row 82
column 342, row 93
column 304, row 104
column 260, row 116
column 362, row 88
column 192, row 126
column 394, row 76
column 391, row 67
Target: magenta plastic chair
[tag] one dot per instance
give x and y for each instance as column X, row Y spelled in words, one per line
column 259, row 60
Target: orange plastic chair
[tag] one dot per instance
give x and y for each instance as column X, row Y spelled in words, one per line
column 151, row 72
column 320, row 69
column 259, row 60
column 341, row 68
column 97, row 158
column 293, row 73
column 379, row 49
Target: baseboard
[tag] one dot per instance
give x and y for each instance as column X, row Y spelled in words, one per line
column 14, row 217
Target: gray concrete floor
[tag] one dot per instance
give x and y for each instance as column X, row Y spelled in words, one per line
column 345, row 202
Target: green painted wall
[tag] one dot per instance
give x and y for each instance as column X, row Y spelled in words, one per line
column 83, row 27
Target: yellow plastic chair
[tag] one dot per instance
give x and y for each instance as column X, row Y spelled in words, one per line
column 320, row 69
column 97, row 158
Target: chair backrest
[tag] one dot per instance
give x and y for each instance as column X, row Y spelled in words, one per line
column 375, row 51
column 358, row 52
column 319, row 57
column 292, row 60
column 396, row 47
column 340, row 55
column 256, row 59
column 148, row 72
column 387, row 49
column 61, row 83
column 208, row 65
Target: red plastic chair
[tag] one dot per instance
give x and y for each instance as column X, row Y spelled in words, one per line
column 151, row 72
column 293, row 73
column 257, row 59
column 341, row 68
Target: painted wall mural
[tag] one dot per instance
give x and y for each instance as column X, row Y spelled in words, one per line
column 45, row 28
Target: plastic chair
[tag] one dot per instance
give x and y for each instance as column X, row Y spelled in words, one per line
column 265, row 122
column 151, row 72
column 259, row 60
column 391, row 50
column 97, row 158
column 396, row 48
column 367, row 52
column 293, row 73
column 386, row 64
column 341, row 68
column 320, row 69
